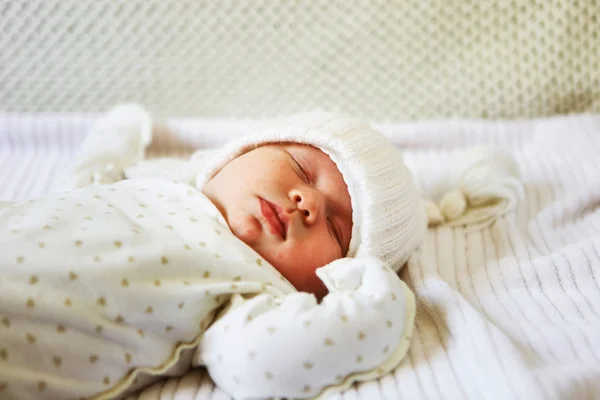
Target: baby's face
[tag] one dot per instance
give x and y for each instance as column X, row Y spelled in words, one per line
column 291, row 205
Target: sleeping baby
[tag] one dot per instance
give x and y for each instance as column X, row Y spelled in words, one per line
column 273, row 265
column 271, row 262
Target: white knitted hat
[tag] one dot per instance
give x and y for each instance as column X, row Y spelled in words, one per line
column 388, row 216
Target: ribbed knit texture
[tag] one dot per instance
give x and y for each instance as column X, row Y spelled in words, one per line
column 511, row 312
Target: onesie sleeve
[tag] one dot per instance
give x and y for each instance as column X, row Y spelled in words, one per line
column 294, row 347
column 116, row 140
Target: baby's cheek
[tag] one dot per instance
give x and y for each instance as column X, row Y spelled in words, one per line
column 246, row 228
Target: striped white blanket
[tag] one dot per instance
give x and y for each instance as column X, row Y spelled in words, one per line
column 511, row 312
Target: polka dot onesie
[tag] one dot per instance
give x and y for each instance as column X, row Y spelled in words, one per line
column 107, row 288
column 103, row 285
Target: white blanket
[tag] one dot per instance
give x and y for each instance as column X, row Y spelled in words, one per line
column 512, row 312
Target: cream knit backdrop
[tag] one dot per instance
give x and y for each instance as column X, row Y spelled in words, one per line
column 382, row 60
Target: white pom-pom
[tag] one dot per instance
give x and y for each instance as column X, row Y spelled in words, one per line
column 488, row 181
column 434, row 215
column 453, row 205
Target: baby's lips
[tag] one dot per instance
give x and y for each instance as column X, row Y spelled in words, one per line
column 285, row 220
column 283, row 217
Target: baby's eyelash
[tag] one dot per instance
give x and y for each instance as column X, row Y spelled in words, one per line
column 301, row 170
column 334, row 231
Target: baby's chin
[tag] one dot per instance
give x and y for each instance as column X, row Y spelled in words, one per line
column 250, row 231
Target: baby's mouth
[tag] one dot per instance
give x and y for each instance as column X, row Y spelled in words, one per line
column 276, row 219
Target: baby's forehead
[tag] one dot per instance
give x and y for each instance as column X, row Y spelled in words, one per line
column 299, row 145
column 314, row 155
column 312, row 152
column 307, row 149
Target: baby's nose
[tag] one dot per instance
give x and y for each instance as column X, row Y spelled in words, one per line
column 309, row 202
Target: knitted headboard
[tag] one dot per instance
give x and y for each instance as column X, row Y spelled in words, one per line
column 384, row 60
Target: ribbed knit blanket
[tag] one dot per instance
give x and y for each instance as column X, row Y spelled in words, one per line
column 509, row 312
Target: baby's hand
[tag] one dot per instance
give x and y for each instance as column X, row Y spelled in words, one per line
column 294, row 347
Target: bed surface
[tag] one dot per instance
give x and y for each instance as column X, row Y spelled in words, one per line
column 510, row 312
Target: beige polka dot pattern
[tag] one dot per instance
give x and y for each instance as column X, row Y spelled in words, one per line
column 30, row 303
column 31, row 339
column 352, row 334
column 108, row 298
column 115, row 288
